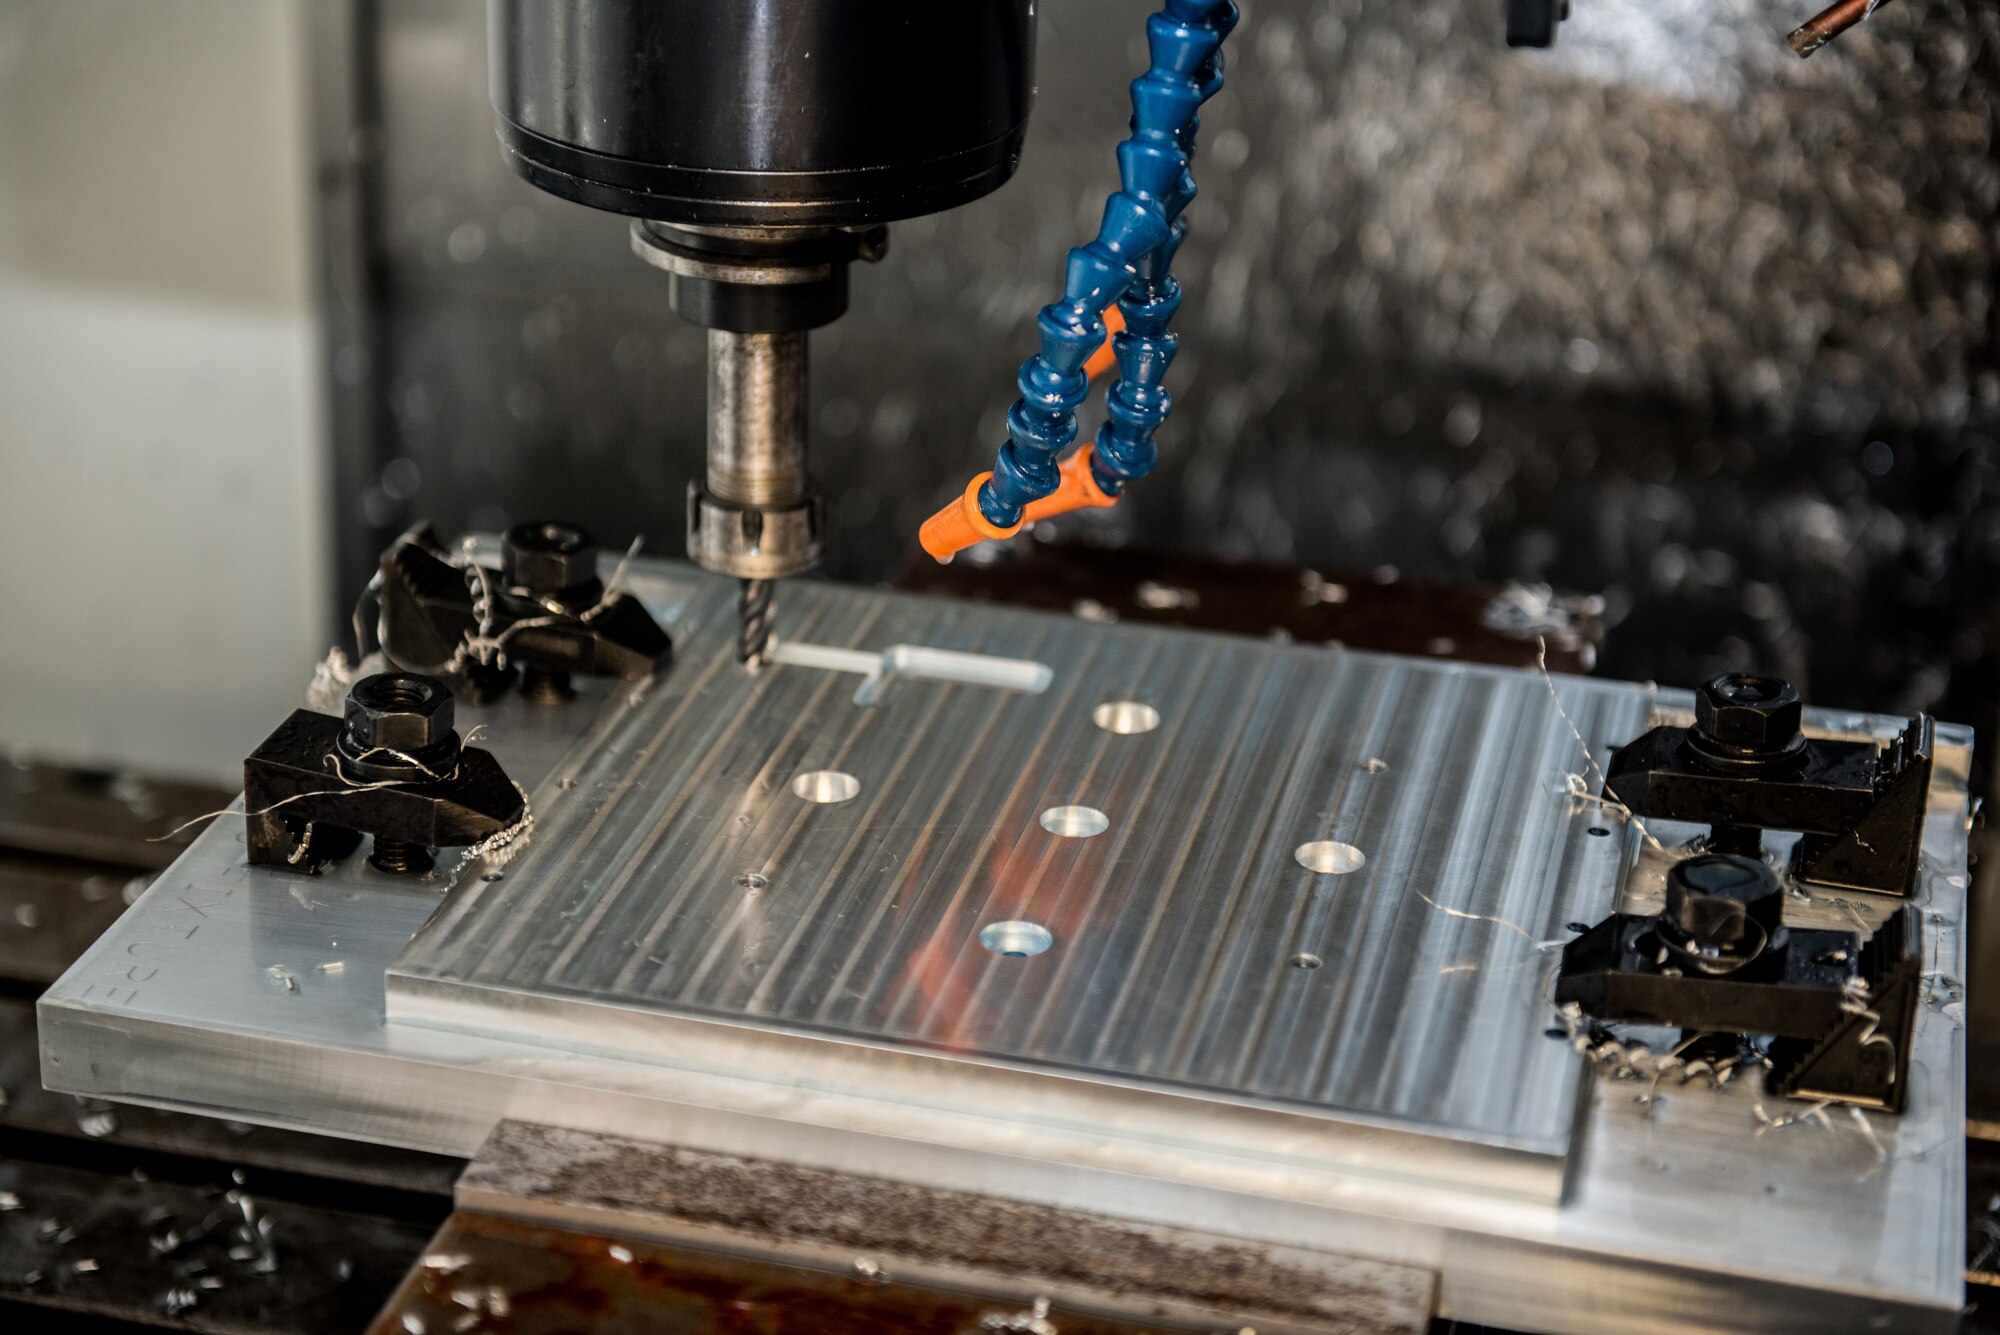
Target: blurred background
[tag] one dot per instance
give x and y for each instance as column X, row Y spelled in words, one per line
column 1664, row 314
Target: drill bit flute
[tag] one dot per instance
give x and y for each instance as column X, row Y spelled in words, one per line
column 753, row 611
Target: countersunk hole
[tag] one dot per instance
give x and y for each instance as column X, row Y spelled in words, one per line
column 1125, row 717
column 826, row 785
column 1374, row 765
column 1015, row 938
column 1330, row 857
column 491, row 876
column 752, row 880
column 1075, row 822
column 1305, row 959
column 1598, row 832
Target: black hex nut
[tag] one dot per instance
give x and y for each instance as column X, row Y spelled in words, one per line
column 400, row 711
column 1749, row 714
column 1725, row 905
column 548, row 557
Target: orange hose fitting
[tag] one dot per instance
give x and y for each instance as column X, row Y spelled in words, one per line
column 1078, row 490
column 960, row 525
column 1104, row 358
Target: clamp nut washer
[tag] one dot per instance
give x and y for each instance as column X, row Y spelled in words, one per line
column 548, row 558
column 1723, row 909
column 398, row 711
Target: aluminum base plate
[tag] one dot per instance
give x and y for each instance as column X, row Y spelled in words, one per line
column 1163, row 1060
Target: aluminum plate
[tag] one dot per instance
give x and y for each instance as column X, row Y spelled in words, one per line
column 680, row 880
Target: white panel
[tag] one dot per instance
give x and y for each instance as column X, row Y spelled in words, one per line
column 160, row 423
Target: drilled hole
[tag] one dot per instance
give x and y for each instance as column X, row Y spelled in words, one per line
column 1075, row 822
column 1305, row 959
column 826, row 785
column 1598, row 832
column 752, row 880
column 1125, row 717
column 1330, row 857
column 1015, row 938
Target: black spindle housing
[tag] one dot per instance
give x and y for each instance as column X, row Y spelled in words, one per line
column 763, row 113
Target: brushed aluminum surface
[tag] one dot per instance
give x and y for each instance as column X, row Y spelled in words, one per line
column 1176, row 937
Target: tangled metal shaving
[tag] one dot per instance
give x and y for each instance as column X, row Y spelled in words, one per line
column 486, row 647
column 1627, row 1060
